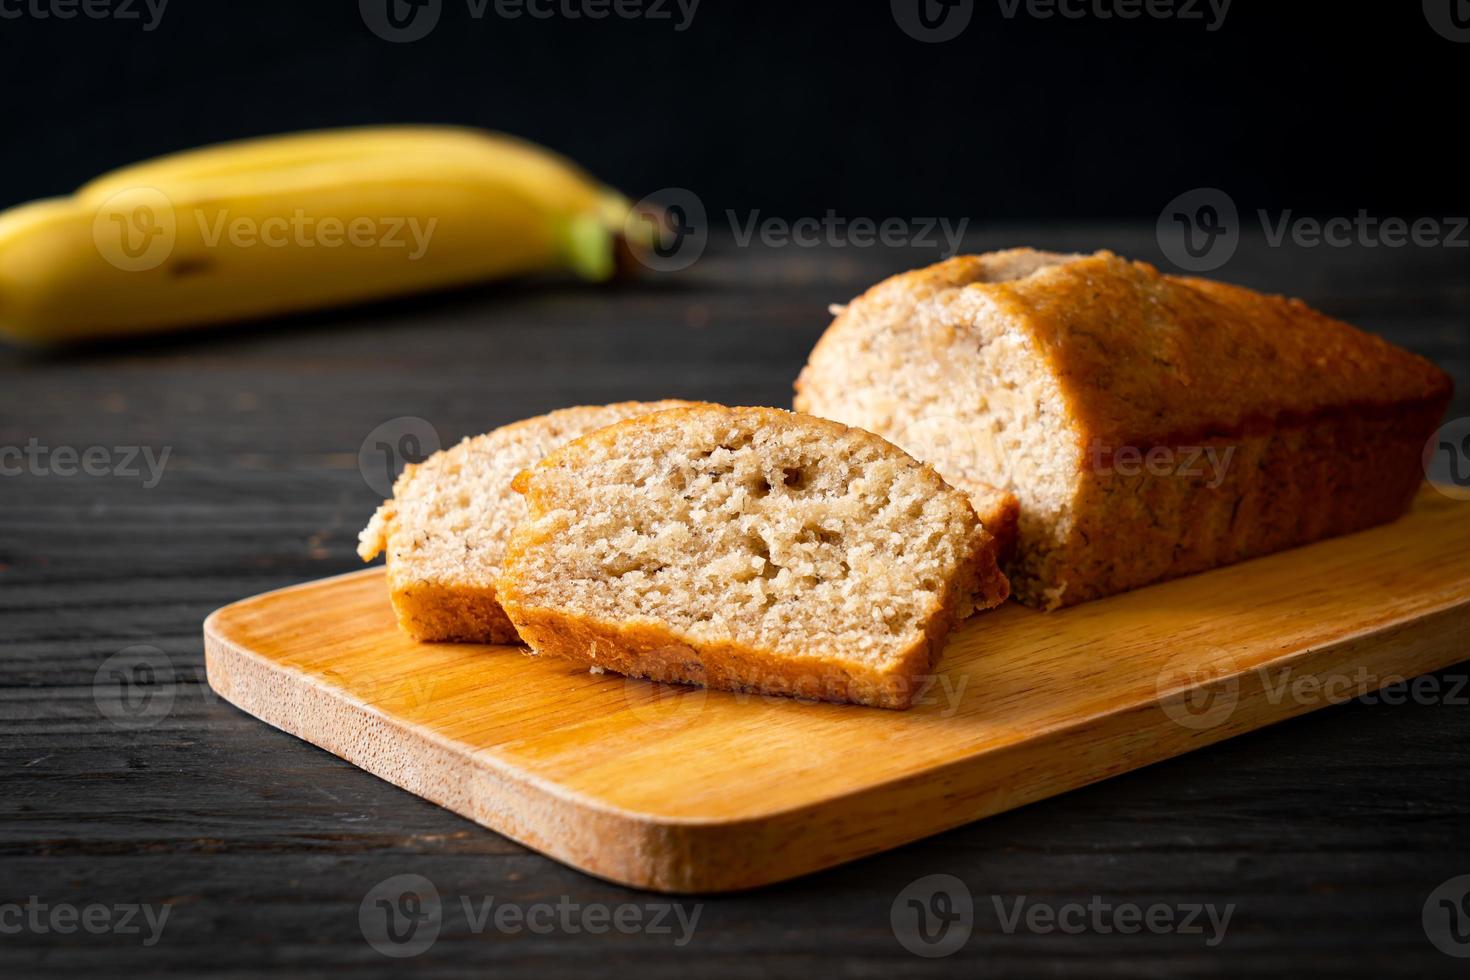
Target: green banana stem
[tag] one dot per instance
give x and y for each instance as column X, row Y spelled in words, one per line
column 589, row 246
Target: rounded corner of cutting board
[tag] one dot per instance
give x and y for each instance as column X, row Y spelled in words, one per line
column 647, row 849
column 315, row 660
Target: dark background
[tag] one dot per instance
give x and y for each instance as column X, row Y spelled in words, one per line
column 1326, row 832
column 794, row 107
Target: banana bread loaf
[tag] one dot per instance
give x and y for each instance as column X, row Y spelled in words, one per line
column 1151, row 425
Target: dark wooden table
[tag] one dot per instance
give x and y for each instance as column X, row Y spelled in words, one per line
column 1326, row 835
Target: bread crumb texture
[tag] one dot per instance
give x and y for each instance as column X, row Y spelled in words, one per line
column 445, row 530
column 1264, row 423
column 747, row 549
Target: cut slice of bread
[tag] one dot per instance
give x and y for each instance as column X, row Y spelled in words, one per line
column 999, row 512
column 444, row 531
column 747, row 549
column 1151, row 425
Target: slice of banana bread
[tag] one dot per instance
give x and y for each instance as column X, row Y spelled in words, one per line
column 1151, row 425
column 746, row 549
column 444, row 531
column 999, row 512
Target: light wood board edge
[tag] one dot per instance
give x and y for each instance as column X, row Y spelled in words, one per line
column 679, row 855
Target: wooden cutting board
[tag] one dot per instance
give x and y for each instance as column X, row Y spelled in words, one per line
column 685, row 790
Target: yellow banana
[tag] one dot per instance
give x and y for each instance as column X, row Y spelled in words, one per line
column 292, row 223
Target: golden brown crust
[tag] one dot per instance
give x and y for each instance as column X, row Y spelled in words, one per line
column 654, row 652
column 436, row 612
column 657, row 651
column 1325, row 422
column 1336, row 474
column 1146, row 358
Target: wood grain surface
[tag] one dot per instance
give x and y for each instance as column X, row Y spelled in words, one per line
column 1327, row 833
column 591, row 769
